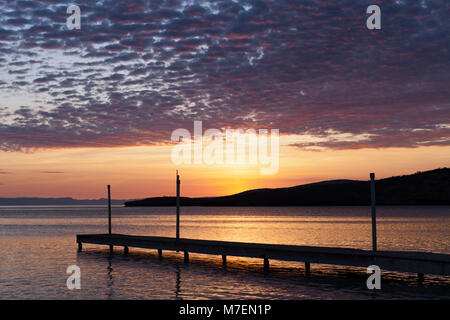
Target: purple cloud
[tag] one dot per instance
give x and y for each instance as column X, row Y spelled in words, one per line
column 137, row 70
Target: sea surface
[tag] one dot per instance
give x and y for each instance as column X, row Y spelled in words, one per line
column 37, row 244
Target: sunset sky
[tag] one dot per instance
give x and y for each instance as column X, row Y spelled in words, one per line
column 81, row 109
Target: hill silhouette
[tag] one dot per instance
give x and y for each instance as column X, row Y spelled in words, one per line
column 422, row 188
column 36, row 201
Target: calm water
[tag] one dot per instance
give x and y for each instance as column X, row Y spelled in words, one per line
column 37, row 244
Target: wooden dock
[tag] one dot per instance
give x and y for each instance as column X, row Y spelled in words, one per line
column 414, row 262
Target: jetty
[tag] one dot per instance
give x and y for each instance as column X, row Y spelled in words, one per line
column 420, row 263
column 414, row 262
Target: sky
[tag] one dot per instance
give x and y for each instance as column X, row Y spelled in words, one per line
column 80, row 109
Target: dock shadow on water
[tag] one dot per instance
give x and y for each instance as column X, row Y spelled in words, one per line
column 142, row 274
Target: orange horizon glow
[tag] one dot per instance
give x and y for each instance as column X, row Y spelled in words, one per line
column 147, row 171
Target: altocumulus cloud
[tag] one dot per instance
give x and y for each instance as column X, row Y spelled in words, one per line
column 139, row 69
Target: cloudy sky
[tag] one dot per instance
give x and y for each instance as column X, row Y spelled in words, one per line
column 137, row 70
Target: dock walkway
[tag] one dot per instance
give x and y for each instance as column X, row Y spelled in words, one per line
column 414, row 262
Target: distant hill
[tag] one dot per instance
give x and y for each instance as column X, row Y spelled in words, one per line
column 54, row 202
column 422, row 188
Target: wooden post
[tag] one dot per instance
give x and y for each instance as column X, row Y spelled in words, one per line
column 125, row 250
column 307, row 268
column 178, row 206
column 224, row 260
column 374, row 213
column 109, row 209
column 160, row 253
column 266, row 265
column 186, row 257
column 111, row 249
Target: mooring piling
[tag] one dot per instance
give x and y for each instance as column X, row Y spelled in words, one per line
column 109, row 209
column 374, row 212
column 420, row 277
column 178, row 206
column 266, row 265
column 307, row 268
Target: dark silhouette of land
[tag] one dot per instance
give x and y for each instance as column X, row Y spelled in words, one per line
column 34, row 201
column 422, row 188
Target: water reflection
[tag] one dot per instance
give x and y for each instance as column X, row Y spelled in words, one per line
column 178, row 281
column 110, row 279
